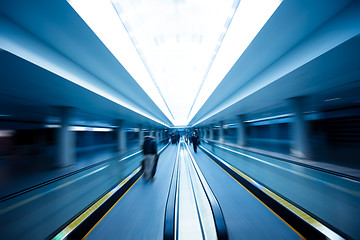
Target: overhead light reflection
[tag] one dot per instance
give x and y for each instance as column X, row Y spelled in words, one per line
column 250, row 17
column 178, row 51
column 177, row 42
column 101, row 17
column 331, row 99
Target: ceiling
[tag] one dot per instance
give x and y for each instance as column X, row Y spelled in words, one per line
column 178, row 51
column 51, row 58
column 36, row 95
column 176, row 41
column 305, row 49
column 63, row 63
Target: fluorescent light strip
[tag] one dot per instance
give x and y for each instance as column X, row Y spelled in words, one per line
column 213, row 58
column 123, row 45
column 112, row 33
column 250, row 17
column 52, row 125
column 171, row 60
column 332, row 99
column 269, row 118
column 20, row 43
column 89, row 129
column 115, row 4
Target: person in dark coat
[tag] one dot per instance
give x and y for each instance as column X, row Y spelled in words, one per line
column 150, row 157
column 173, row 138
column 177, row 137
column 195, row 141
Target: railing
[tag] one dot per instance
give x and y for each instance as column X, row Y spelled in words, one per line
column 36, row 212
column 316, row 191
column 187, row 173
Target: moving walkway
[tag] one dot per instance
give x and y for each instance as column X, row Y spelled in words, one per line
column 194, row 196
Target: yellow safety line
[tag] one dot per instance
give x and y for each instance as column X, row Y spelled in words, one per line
column 306, row 217
column 28, row 200
column 19, row 204
column 348, row 191
column 110, row 208
column 66, row 231
column 254, row 195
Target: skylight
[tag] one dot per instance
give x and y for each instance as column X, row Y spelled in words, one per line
column 178, row 51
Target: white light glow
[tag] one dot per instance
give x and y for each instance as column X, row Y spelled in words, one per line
column 89, row 129
column 177, row 42
column 25, row 45
column 101, row 129
column 270, row 118
column 101, row 17
column 52, row 125
column 248, row 20
column 332, row 99
column 6, row 133
column 178, row 51
column 79, row 129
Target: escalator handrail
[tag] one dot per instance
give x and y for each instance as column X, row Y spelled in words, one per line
column 29, row 189
column 171, row 207
column 332, row 172
column 314, row 229
column 219, row 219
column 82, row 223
column 56, row 179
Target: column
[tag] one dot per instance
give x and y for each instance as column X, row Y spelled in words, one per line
column 65, row 139
column 141, row 135
column 241, row 137
column 300, row 130
column 157, row 135
column 121, row 137
column 221, row 132
column 161, row 134
column 166, row 133
column 211, row 131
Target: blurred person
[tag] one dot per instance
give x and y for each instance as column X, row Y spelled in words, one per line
column 195, row 141
column 177, row 137
column 186, row 138
column 173, row 138
column 150, row 160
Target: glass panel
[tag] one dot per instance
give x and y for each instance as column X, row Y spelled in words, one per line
column 38, row 213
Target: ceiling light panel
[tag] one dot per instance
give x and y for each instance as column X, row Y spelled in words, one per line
column 178, row 51
column 177, row 42
column 103, row 20
column 248, row 20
